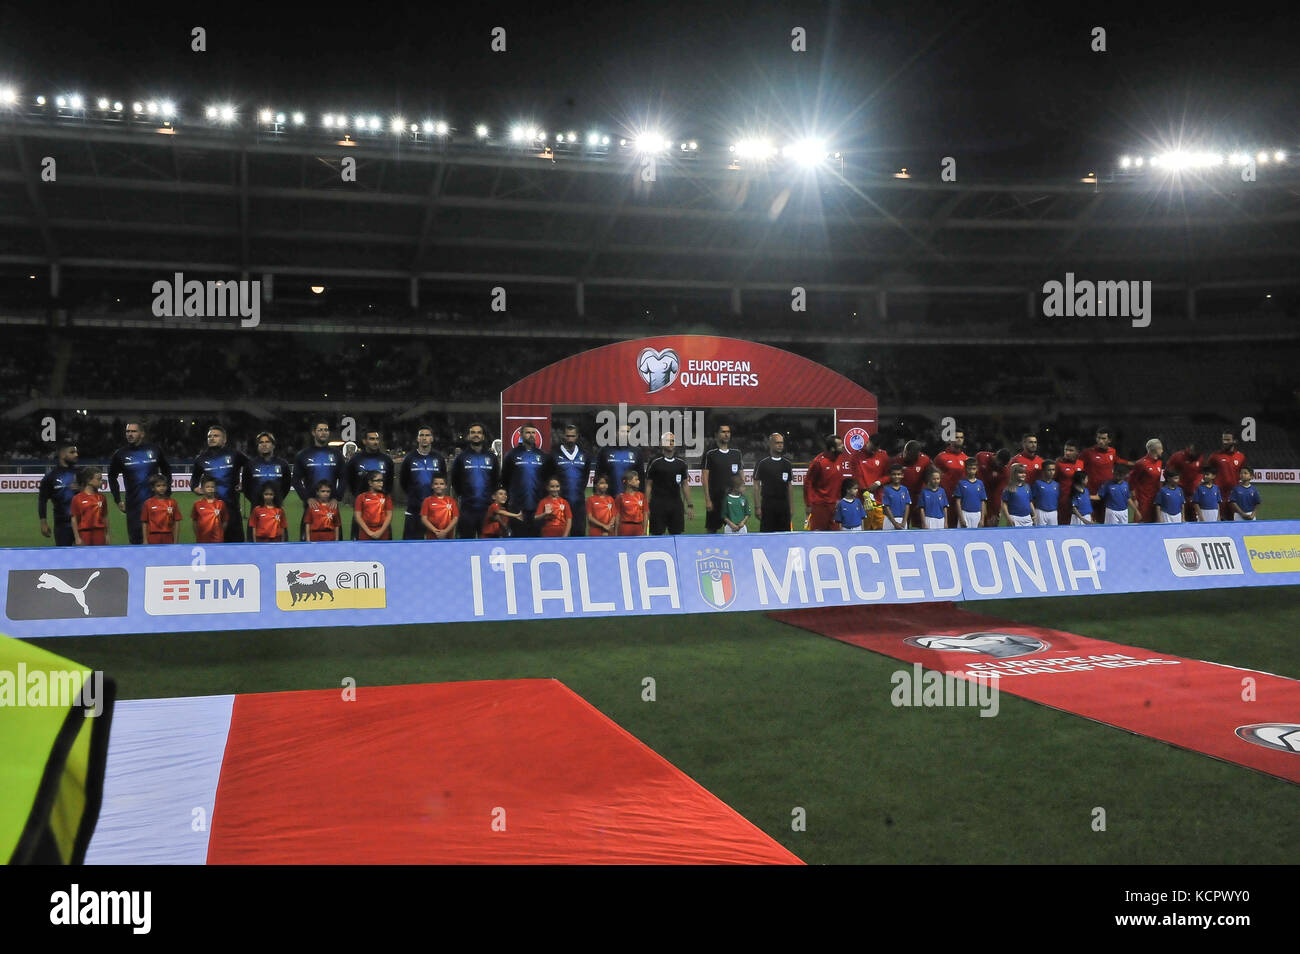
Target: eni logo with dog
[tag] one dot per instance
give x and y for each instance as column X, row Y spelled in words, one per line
column 328, row 586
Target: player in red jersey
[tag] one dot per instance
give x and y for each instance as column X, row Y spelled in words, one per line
column 1187, row 464
column 1029, row 457
column 1067, row 465
column 873, row 469
column 496, row 519
column 374, row 510
column 1145, row 481
column 951, row 464
column 322, row 514
column 89, row 510
column 1227, row 462
column 995, row 471
column 267, row 523
column 914, row 463
column 822, row 482
column 600, row 510
column 209, row 515
column 1099, row 464
column 554, row 514
column 629, row 507
column 160, row 515
column 439, row 513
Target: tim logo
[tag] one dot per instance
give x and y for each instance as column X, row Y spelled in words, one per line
column 308, row 586
column 855, row 439
column 997, row 645
column 1203, row 556
column 717, row 582
column 1280, row 736
column 187, row 590
column 658, row 369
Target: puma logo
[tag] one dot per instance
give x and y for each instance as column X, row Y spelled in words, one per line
column 48, row 581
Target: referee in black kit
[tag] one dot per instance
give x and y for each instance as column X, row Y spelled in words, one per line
column 773, row 486
column 668, row 491
column 721, row 464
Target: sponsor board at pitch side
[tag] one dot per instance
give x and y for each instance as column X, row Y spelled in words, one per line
column 337, row 585
column 1203, row 556
column 67, row 593
column 190, row 591
column 1274, row 553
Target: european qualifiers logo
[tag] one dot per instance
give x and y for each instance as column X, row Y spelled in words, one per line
column 68, row 593
column 658, row 369
column 716, row 577
column 997, row 645
column 193, row 591
column 1279, row 736
column 330, row 586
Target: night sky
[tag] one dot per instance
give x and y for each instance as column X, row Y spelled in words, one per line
column 1014, row 88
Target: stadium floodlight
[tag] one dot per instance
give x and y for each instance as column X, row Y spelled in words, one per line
column 573, row 136
column 806, row 152
column 117, row 105
column 539, row 135
column 151, row 108
column 559, row 137
column 167, row 108
column 75, row 101
column 8, row 95
column 517, row 133
column 299, row 119
column 40, row 100
column 622, row 142
column 279, row 119
column 1279, row 156
column 317, row 289
column 1125, row 162
column 415, row 128
column 1139, row 162
column 481, row 131
column 266, row 116
column 61, row 102
column 375, row 124
column 360, row 122
column 227, row 114
column 650, row 142
column 101, row 103
column 754, row 149
column 604, row 140
column 1262, row 158
column 397, row 125
column 694, row 145
column 442, row 127
column 327, row 120
column 593, row 139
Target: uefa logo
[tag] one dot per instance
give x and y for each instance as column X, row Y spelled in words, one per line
column 1188, row 558
column 855, row 439
column 658, row 369
column 997, row 645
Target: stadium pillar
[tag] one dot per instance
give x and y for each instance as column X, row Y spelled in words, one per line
column 882, row 303
column 54, row 279
column 414, row 292
column 268, row 288
column 735, row 300
column 1191, row 303
column 1031, row 304
column 580, row 299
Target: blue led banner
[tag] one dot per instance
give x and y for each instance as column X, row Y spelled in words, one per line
column 189, row 588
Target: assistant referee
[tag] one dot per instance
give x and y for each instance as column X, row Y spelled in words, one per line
column 773, row 487
column 668, row 491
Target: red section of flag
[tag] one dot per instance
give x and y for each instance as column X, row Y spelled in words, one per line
column 1194, row 705
column 420, row 774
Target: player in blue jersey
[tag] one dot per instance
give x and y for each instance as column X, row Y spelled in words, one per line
column 1080, row 500
column 895, row 500
column 524, row 474
column 1046, row 496
column 1243, row 500
column 1170, row 500
column 971, row 496
column 314, row 464
column 136, row 464
column 850, row 514
column 225, row 467
column 572, row 465
column 1017, row 504
column 266, row 468
column 613, row 462
column 415, row 477
column 58, row 487
column 366, row 461
column 933, row 501
column 475, row 475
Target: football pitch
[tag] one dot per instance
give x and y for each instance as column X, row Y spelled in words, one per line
column 771, row 718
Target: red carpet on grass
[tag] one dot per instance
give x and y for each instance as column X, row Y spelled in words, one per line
column 420, row 774
column 1191, row 704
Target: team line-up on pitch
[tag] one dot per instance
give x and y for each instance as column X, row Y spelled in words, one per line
column 540, row 494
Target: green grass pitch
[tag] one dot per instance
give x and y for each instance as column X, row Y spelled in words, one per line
column 770, row 717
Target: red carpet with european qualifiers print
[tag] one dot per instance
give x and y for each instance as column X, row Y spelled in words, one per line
column 1238, row 715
